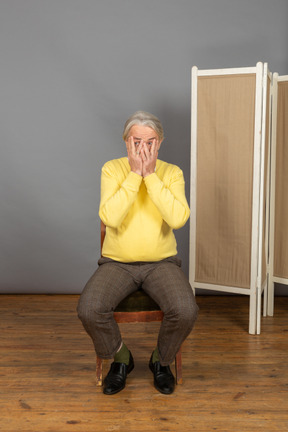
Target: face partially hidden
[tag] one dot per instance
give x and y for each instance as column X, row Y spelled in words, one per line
column 145, row 134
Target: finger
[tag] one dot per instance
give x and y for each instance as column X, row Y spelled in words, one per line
column 133, row 147
column 139, row 148
column 154, row 149
column 145, row 150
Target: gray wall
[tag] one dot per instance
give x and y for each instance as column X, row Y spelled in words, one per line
column 71, row 72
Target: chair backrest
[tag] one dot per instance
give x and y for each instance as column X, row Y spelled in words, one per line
column 103, row 233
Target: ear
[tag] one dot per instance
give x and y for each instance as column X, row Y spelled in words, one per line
column 159, row 144
column 128, row 140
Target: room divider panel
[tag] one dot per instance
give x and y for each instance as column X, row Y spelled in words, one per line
column 229, row 177
column 278, row 244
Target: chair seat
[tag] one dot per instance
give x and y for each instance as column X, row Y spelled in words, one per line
column 136, row 302
column 138, row 307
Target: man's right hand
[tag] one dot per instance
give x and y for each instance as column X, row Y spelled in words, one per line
column 134, row 156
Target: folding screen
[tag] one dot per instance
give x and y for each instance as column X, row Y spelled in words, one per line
column 278, row 245
column 228, row 183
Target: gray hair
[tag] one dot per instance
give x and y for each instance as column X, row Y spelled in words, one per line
column 145, row 119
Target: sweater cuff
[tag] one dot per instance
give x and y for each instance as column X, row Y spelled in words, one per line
column 133, row 181
column 151, row 180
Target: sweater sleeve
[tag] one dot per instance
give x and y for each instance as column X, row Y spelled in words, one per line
column 116, row 198
column 170, row 200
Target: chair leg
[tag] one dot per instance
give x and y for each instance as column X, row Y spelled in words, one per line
column 99, row 371
column 178, row 367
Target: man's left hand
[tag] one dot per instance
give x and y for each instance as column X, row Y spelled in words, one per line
column 149, row 158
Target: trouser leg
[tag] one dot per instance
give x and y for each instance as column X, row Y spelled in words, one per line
column 102, row 293
column 169, row 287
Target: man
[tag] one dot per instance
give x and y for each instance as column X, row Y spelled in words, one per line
column 142, row 201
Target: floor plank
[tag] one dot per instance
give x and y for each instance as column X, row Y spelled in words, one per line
column 232, row 381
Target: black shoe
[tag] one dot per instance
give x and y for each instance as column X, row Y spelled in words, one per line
column 116, row 378
column 164, row 380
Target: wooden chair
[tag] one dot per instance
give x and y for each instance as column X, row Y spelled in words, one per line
column 137, row 307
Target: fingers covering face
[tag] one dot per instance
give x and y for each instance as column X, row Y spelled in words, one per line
column 142, row 149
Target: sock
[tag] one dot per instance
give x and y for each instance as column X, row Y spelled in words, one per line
column 123, row 355
column 155, row 356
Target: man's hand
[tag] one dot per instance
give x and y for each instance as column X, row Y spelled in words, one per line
column 149, row 157
column 134, row 155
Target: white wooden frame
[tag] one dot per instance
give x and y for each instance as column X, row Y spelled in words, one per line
column 267, row 74
column 271, row 278
column 255, row 291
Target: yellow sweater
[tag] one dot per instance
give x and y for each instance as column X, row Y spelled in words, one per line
column 141, row 213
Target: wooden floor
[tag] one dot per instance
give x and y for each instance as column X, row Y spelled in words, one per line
column 232, row 381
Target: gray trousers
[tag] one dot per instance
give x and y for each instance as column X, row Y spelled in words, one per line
column 163, row 281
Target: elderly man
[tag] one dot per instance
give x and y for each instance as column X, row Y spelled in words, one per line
column 142, row 201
